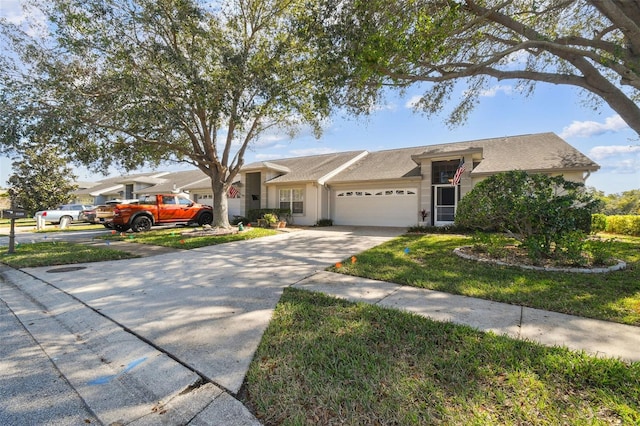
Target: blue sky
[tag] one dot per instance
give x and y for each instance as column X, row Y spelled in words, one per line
column 599, row 134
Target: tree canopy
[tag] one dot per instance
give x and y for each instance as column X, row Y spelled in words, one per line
column 593, row 45
column 139, row 82
column 41, row 179
column 625, row 203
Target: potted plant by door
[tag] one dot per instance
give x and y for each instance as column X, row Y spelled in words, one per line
column 424, row 214
column 271, row 220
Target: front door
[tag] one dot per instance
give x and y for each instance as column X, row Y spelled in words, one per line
column 445, row 197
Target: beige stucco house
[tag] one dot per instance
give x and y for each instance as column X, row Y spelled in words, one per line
column 381, row 188
column 391, row 188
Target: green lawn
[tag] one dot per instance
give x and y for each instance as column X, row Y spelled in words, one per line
column 58, row 253
column 427, row 261
column 179, row 237
column 324, row 360
column 5, row 226
column 65, row 253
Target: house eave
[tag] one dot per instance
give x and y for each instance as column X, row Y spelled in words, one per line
column 106, row 190
column 553, row 171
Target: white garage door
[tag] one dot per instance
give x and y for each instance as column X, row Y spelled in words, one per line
column 380, row 207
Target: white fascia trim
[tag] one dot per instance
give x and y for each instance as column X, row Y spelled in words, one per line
column 334, row 172
column 106, row 190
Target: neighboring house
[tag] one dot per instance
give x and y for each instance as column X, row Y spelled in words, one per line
column 390, row 188
column 122, row 187
column 192, row 182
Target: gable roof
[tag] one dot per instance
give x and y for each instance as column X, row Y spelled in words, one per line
column 390, row 164
column 114, row 184
column 314, row 168
column 180, row 181
column 541, row 152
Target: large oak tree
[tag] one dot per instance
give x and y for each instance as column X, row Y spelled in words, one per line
column 590, row 44
column 139, row 82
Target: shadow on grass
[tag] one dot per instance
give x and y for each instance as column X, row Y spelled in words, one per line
column 323, row 359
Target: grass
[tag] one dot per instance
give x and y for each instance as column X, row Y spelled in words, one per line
column 5, row 225
column 66, row 253
column 59, row 253
column 179, row 237
column 324, row 360
column 426, row 261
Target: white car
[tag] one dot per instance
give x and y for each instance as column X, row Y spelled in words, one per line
column 71, row 211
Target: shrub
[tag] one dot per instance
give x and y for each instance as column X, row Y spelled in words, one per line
column 324, row 222
column 570, row 248
column 536, row 209
column 255, row 214
column 601, row 251
column 270, row 218
column 598, row 222
column 449, row 229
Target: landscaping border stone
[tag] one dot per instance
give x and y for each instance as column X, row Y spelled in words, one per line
column 617, row 267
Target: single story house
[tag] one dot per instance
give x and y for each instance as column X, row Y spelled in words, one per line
column 121, row 187
column 392, row 187
column 381, row 188
column 192, row 182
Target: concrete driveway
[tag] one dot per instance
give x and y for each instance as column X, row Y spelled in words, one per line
column 209, row 307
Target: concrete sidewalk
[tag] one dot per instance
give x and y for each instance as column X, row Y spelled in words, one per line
column 110, row 375
column 601, row 338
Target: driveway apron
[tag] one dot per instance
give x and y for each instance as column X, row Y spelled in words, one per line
column 209, row 307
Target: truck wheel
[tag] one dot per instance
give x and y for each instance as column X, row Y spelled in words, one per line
column 141, row 224
column 121, row 228
column 205, row 219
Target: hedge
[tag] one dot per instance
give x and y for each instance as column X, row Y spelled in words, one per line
column 621, row 224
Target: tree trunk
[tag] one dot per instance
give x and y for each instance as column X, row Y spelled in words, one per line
column 220, row 205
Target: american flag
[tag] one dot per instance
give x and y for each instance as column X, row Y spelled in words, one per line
column 459, row 172
column 233, row 192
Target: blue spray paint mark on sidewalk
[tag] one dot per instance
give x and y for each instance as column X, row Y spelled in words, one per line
column 106, row 379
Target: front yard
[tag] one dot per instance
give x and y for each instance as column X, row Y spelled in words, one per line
column 426, row 261
column 324, row 360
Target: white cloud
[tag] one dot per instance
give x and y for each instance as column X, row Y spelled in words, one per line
column 493, row 91
column 602, row 152
column 412, row 103
column 585, row 129
column 376, row 107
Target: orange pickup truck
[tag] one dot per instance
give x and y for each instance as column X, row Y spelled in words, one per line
column 158, row 210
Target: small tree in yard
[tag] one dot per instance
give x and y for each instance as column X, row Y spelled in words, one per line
column 547, row 214
column 41, row 179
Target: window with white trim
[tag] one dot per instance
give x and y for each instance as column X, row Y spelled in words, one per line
column 292, row 199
